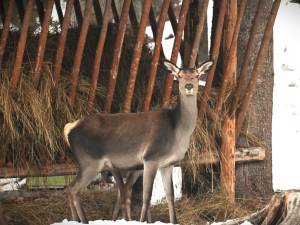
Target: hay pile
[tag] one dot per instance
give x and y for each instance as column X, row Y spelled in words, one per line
column 52, row 207
column 31, row 120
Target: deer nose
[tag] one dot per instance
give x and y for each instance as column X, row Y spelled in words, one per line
column 188, row 86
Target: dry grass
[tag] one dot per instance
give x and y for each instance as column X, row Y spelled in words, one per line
column 98, row 205
column 32, row 119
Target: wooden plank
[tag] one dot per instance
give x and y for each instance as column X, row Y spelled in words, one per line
column 51, row 170
column 242, row 155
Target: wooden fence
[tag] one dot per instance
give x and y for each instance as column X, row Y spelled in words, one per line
column 106, row 12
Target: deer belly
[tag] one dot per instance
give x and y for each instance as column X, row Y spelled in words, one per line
column 172, row 160
column 125, row 163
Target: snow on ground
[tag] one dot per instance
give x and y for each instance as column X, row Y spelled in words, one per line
column 286, row 104
column 11, row 184
column 244, row 223
column 109, row 222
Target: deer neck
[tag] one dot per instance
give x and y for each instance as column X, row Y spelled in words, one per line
column 186, row 113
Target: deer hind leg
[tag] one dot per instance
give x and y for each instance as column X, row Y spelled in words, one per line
column 84, row 177
column 117, row 207
column 130, row 181
column 71, row 205
column 150, row 170
column 166, row 174
column 121, row 195
column 131, row 178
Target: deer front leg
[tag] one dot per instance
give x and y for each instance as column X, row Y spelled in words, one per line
column 166, row 174
column 150, row 170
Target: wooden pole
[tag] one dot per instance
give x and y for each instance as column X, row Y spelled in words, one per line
column 5, row 30
column 16, row 73
column 98, row 13
column 214, row 57
column 231, row 33
column 78, row 13
column 156, row 54
column 198, row 33
column 79, row 51
column 116, row 56
column 227, row 159
column 175, row 51
column 99, row 51
column 136, row 56
column 244, row 70
column 61, row 43
column 59, row 12
column 257, row 66
column 42, row 43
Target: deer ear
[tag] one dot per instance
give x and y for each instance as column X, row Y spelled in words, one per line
column 204, row 67
column 172, row 68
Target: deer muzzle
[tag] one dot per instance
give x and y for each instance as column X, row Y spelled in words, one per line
column 189, row 89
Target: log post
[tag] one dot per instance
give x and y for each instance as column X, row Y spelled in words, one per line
column 227, row 159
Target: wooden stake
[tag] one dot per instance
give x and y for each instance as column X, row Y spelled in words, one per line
column 258, row 65
column 227, row 159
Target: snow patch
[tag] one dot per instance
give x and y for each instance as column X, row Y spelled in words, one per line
column 11, row 184
column 158, row 193
column 222, row 223
column 108, row 222
column 286, row 107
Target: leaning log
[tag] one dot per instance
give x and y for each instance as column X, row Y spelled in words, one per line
column 283, row 209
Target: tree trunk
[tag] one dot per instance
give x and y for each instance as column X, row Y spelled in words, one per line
column 227, row 159
column 257, row 177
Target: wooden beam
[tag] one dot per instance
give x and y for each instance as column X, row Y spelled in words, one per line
column 242, row 155
column 51, row 170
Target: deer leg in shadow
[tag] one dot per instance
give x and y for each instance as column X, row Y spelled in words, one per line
column 84, row 177
column 121, row 195
column 166, row 174
column 150, row 170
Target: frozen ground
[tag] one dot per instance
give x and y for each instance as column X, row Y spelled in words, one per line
column 244, row 223
column 108, row 222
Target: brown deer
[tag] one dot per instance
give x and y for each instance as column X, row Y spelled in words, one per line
column 134, row 141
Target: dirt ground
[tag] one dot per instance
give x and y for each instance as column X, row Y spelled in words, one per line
column 44, row 208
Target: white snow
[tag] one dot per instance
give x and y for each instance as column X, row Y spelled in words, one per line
column 286, row 104
column 222, row 223
column 109, row 222
column 167, row 41
column 11, row 184
column 158, row 193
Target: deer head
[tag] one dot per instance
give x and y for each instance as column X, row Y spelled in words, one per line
column 188, row 78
